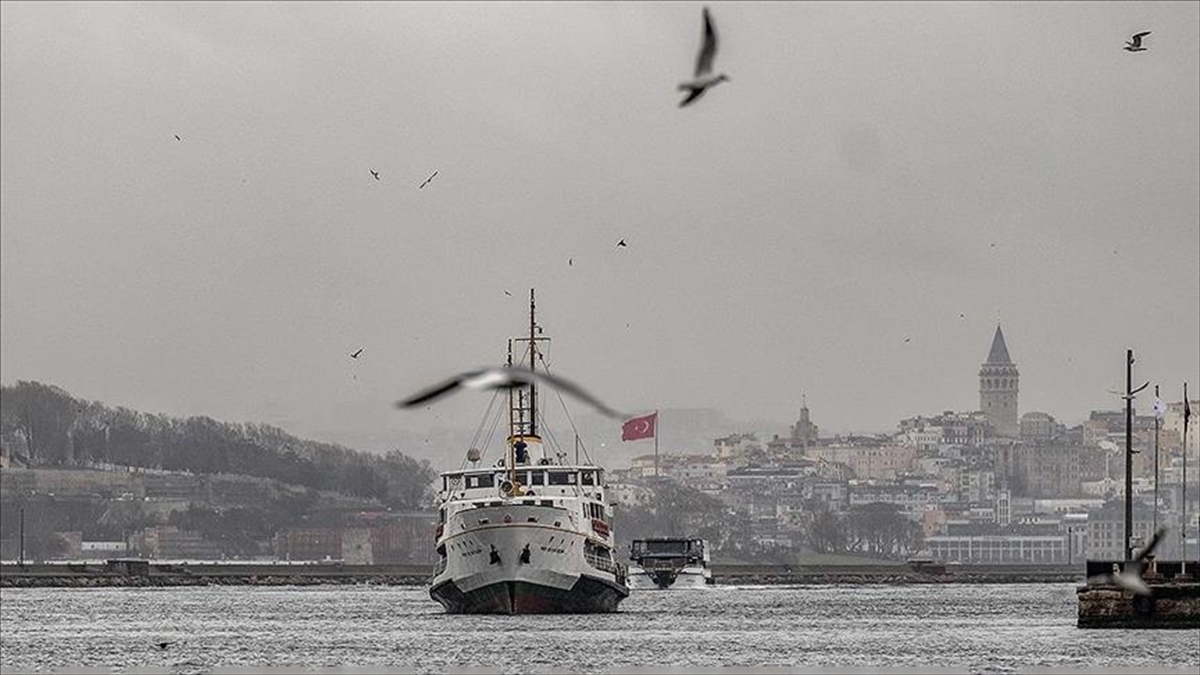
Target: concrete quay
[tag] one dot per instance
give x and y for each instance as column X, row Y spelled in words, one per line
column 1174, row 600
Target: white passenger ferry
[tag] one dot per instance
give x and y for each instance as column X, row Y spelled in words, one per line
column 530, row 533
column 669, row 562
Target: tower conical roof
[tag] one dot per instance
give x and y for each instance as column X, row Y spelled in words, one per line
column 999, row 351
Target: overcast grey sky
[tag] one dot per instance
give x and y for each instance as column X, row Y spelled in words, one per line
column 870, row 172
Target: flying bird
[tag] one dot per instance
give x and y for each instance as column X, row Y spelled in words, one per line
column 570, row 262
column 504, row 378
column 508, row 293
column 427, row 180
column 164, row 645
column 1135, row 42
column 704, row 78
column 907, row 340
column 355, row 354
column 375, row 174
column 1130, row 578
column 177, row 137
column 622, row 243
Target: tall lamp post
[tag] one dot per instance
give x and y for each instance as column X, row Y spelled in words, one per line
column 1129, row 396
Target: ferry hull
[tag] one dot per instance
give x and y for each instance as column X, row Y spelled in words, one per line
column 534, row 563
column 587, row 595
column 688, row 578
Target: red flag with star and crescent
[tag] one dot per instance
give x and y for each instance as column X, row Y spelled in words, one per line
column 639, row 427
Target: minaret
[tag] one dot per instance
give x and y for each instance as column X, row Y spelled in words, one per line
column 998, row 387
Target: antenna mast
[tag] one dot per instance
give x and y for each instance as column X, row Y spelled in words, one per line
column 532, row 366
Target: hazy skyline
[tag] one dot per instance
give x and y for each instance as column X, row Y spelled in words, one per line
column 869, row 173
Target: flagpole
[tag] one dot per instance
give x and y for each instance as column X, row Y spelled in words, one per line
column 656, row 444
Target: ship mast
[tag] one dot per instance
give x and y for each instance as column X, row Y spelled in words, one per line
column 522, row 401
column 532, row 366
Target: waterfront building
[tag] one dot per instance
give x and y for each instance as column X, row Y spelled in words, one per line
column 998, row 548
column 911, row 496
column 168, row 542
column 1040, row 427
column 1106, row 531
column 735, row 446
column 868, row 462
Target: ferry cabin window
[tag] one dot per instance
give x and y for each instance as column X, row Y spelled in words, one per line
column 587, row 478
column 666, row 546
column 486, row 480
column 562, row 478
column 537, row 478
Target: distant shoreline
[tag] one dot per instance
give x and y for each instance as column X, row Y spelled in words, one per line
column 143, row 574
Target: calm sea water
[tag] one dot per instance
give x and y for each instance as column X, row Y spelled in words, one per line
column 959, row 628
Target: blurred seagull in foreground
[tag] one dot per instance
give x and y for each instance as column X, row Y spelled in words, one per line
column 375, row 174
column 504, row 378
column 1130, row 578
column 704, row 78
column 427, row 180
column 1135, row 42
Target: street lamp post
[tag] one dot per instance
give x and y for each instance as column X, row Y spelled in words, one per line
column 1128, row 453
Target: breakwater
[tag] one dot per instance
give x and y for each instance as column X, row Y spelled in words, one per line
column 146, row 573
column 1173, row 600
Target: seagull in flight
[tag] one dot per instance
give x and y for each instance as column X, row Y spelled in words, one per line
column 1135, row 42
column 704, row 78
column 165, row 644
column 622, row 243
column 422, row 185
column 177, row 137
column 375, row 174
column 1130, row 578
column 355, row 354
column 503, row 378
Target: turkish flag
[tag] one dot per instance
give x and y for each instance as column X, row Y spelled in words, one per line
column 639, row 427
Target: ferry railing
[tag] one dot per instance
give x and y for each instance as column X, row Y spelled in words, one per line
column 602, row 563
